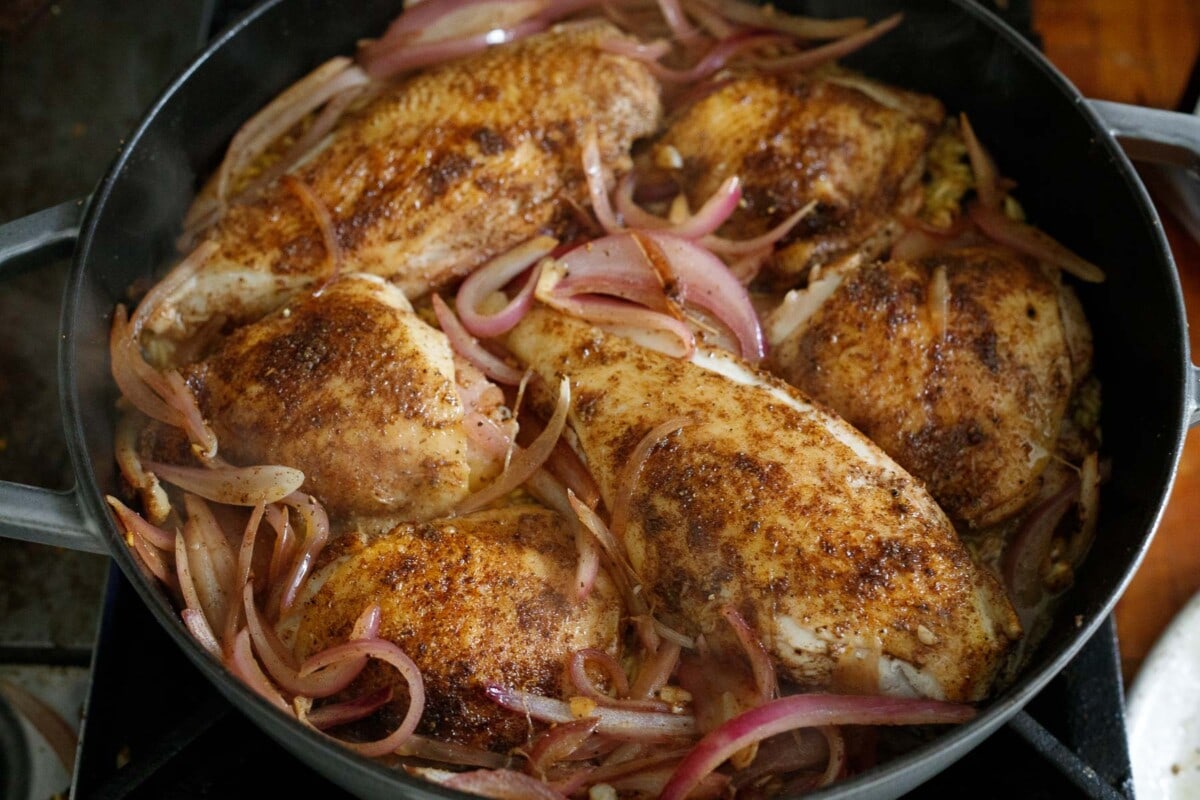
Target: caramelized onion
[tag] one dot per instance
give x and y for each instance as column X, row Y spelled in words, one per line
column 235, row 486
column 525, row 461
column 803, row 711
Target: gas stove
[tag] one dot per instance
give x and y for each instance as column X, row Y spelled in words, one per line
column 76, row 76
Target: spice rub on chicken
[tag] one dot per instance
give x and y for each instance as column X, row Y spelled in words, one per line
column 853, row 145
column 352, row 388
column 762, row 500
column 440, row 171
column 960, row 365
column 489, row 597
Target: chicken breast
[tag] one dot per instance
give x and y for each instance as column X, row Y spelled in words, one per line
column 834, row 554
column 441, row 171
column 855, row 146
column 354, row 389
column 964, row 385
column 485, row 598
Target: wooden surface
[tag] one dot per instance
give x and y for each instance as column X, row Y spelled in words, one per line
column 1142, row 51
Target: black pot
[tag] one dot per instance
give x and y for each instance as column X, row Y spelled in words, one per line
column 1075, row 182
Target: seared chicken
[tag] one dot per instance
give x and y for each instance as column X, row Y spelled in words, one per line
column 855, row 146
column 485, row 598
column 352, row 388
column 435, row 175
column 839, row 560
column 964, row 384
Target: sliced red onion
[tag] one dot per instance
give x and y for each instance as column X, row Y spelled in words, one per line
column 588, row 567
column 635, row 50
column 281, row 553
column 361, row 707
column 835, row 765
column 61, row 737
column 187, row 587
column 767, row 17
column 1089, row 506
column 742, row 247
column 672, row 635
column 210, row 558
column 615, row 771
column 469, row 347
column 237, row 486
column 803, row 711
column 153, row 559
column 390, row 654
column 625, row 575
column 616, row 266
column 1030, row 546
column 593, row 170
column 677, row 21
column 180, row 397
column 436, row 20
column 124, row 355
column 559, row 743
column 1027, row 239
column 660, row 332
column 317, row 209
column 136, row 526
column 982, row 165
column 717, row 57
column 643, row 726
column 171, row 284
column 492, row 277
column 655, row 671
column 525, row 461
column 385, row 63
column 631, row 472
column 324, row 683
column 707, row 283
column 197, row 625
column 450, row 753
column 502, row 784
column 607, row 664
column 125, row 449
column 316, row 534
column 811, row 59
column 281, row 114
column 915, row 244
column 246, row 551
column 242, row 664
column 760, row 660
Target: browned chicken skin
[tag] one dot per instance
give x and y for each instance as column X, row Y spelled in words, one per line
column 438, row 173
column 353, row 389
column 489, row 597
column 855, row 146
column 829, row 549
column 975, row 412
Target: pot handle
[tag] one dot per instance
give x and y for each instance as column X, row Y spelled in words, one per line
column 1158, row 137
column 31, row 513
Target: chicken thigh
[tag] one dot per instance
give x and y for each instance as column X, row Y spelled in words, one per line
column 441, row 171
column 960, row 365
column 352, row 388
column 485, row 598
column 855, row 146
column 763, row 500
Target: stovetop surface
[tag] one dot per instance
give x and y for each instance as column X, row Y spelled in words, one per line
column 76, row 75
